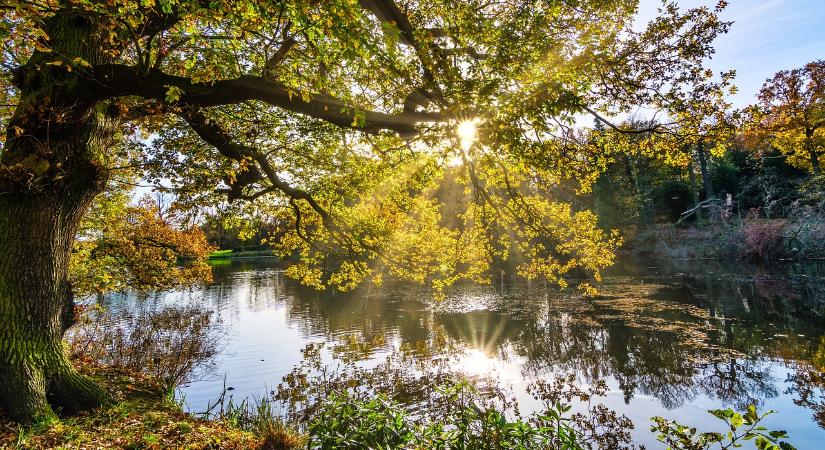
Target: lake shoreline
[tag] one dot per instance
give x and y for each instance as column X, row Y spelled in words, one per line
column 759, row 241
column 143, row 415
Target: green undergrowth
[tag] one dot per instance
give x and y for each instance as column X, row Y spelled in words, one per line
column 144, row 416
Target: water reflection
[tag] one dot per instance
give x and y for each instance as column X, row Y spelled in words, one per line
column 670, row 338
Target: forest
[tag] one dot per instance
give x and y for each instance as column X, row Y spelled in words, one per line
column 384, row 224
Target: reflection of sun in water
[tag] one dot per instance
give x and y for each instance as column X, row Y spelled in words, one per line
column 476, row 362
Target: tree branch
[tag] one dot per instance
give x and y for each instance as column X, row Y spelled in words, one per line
column 388, row 11
column 115, row 80
column 651, row 129
column 214, row 135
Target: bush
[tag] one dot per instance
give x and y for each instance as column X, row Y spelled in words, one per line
column 170, row 344
column 812, row 194
column 763, row 240
column 772, row 189
column 724, row 177
column 348, row 422
column 743, row 427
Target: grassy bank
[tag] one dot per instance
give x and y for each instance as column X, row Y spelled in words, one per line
column 758, row 240
column 143, row 417
column 230, row 254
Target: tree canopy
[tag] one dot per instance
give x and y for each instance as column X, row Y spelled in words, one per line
column 429, row 140
column 341, row 115
column 790, row 115
column 293, row 100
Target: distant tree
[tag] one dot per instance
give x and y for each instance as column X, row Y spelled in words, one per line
column 140, row 247
column 706, row 123
column 791, row 114
column 699, row 123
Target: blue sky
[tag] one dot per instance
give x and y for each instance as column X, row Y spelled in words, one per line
column 766, row 37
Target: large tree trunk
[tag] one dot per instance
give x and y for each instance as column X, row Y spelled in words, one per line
column 36, row 307
column 51, row 167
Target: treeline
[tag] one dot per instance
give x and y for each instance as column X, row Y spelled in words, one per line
column 740, row 184
column 749, row 185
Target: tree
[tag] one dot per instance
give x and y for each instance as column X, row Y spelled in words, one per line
column 699, row 124
column 792, row 114
column 707, row 123
column 140, row 247
column 337, row 115
column 704, row 123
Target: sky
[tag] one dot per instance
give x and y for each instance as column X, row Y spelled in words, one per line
column 767, row 36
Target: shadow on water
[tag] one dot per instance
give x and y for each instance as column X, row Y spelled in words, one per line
column 671, row 338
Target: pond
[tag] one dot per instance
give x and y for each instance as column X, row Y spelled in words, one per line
column 670, row 338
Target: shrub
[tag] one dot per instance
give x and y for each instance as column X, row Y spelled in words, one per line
column 170, row 344
column 742, row 427
column 348, row 422
column 763, row 240
column 812, row 194
column 671, row 199
column 724, row 177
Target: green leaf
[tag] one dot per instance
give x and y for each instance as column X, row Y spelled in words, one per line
column 173, row 93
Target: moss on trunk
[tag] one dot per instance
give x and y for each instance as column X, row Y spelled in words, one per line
column 36, row 232
column 50, row 170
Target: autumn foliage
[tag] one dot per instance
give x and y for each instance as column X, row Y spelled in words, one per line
column 138, row 247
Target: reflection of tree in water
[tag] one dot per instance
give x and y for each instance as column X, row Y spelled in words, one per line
column 809, row 385
column 647, row 349
column 669, row 332
column 738, row 382
column 808, row 382
column 644, row 361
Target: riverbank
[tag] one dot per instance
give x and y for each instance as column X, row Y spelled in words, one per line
column 755, row 240
column 232, row 254
column 144, row 416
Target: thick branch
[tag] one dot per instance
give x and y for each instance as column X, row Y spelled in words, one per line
column 115, row 80
column 388, row 11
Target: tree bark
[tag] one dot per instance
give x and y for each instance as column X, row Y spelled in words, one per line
column 36, row 307
column 51, row 167
column 815, row 163
column 693, row 189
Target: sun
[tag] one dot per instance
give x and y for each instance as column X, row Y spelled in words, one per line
column 467, row 132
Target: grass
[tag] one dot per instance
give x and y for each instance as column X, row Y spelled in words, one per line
column 218, row 254
column 144, row 417
column 228, row 254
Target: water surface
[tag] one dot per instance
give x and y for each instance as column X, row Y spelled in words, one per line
column 671, row 338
